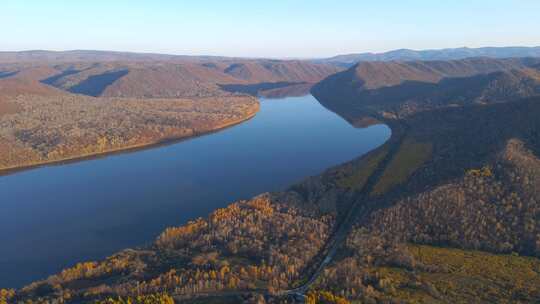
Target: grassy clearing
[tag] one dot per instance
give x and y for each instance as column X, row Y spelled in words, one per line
column 409, row 158
column 466, row 276
column 362, row 170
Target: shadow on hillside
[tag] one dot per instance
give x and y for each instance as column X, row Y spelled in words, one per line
column 463, row 134
column 96, row 85
column 7, row 74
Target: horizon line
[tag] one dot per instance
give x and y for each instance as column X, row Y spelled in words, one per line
column 259, row 57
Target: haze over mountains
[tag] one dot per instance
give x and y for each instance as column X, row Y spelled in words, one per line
column 89, row 55
column 344, row 60
column 348, row 60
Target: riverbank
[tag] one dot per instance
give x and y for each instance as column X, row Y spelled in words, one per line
column 126, row 200
column 248, row 114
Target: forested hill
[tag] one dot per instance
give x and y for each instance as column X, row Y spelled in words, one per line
column 397, row 89
column 120, row 74
column 460, row 173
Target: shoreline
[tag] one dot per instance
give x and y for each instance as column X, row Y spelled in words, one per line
column 173, row 141
column 127, row 149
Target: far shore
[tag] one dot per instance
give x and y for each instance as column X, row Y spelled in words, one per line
column 126, row 149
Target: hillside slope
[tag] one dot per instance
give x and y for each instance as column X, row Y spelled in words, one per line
column 164, row 76
column 463, row 177
column 460, row 171
column 382, row 88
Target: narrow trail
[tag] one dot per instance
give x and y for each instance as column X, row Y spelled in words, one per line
column 361, row 206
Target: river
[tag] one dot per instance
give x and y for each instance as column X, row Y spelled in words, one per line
column 55, row 216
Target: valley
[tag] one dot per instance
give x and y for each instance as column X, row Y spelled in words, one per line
column 270, row 152
column 449, row 198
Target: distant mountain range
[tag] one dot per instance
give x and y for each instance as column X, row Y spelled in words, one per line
column 345, row 60
column 441, row 54
column 93, row 55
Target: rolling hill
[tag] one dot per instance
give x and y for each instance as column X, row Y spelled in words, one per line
column 397, row 88
column 185, row 79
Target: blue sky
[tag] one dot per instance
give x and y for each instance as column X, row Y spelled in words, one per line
column 274, row 28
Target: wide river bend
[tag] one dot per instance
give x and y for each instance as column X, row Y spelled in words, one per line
column 55, row 216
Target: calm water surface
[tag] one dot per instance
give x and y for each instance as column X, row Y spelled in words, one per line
column 56, row 216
